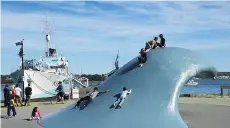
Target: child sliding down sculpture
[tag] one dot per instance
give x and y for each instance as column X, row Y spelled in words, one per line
column 117, row 104
column 89, row 98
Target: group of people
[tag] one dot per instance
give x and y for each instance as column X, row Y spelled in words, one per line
column 152, row 44
column 93, row 94
column 12, row 97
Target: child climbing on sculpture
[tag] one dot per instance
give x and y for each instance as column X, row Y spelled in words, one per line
column 152, row 44
column 117, row 104
column 143, row 58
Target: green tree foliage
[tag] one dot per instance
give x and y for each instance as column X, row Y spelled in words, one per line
column 6, row 79
column 95, row 77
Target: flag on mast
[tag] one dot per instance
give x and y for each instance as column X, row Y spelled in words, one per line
column 116, row 62
column 19, row 43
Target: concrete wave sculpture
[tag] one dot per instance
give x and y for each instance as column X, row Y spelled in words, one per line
column 153, row 102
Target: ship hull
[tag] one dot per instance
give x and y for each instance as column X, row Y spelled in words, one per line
column 42, row 83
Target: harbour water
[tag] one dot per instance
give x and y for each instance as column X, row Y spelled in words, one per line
column 206, row 87
column 203, row 87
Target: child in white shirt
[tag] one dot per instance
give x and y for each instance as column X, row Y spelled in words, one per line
column 121, row 99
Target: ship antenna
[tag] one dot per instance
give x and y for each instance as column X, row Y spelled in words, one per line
column 47, row 32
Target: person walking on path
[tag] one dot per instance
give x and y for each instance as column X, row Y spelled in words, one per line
column 18, row 91
column 28, row 92
column 6, row 92
column 11, row 105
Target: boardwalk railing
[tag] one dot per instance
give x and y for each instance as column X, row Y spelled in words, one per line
column 222, row 87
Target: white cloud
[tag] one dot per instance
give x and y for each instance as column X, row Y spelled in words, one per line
column 205, row 45
column 101, row 31
column 125, row 29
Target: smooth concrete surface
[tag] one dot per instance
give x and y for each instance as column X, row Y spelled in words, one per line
column 155, row 92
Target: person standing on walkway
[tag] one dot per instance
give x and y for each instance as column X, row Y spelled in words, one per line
column 28, row 92
column 6, row 92
column 18, row 91
column 11, row 105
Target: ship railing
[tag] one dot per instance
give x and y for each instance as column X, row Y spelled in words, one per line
column 83, row 81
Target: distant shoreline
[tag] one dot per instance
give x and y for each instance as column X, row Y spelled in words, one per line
column 6, row 79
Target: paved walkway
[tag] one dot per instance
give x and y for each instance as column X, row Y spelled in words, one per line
column 24, row 113
column 205, row 115
column 210, row 101
column 195, row 112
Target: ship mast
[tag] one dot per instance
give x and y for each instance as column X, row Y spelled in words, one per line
column 47, row 32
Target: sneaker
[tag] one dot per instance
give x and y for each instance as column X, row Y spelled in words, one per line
column 118, row 107
column 112, row 106
column 140, row 65
column 9, row 117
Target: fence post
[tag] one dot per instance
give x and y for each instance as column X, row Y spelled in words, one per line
column 229, row 93
column 221, row 91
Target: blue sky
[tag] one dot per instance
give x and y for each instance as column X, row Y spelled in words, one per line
column 89, row 34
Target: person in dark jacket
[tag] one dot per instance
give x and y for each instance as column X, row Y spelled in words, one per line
column 162, row 42
column 143, row 58
column 61, row 93
column 6, row 92
column 28, row 92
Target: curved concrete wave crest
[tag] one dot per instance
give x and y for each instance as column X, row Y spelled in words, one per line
column 153, row 102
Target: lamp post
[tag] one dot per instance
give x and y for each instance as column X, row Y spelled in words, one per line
column 21, row 55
